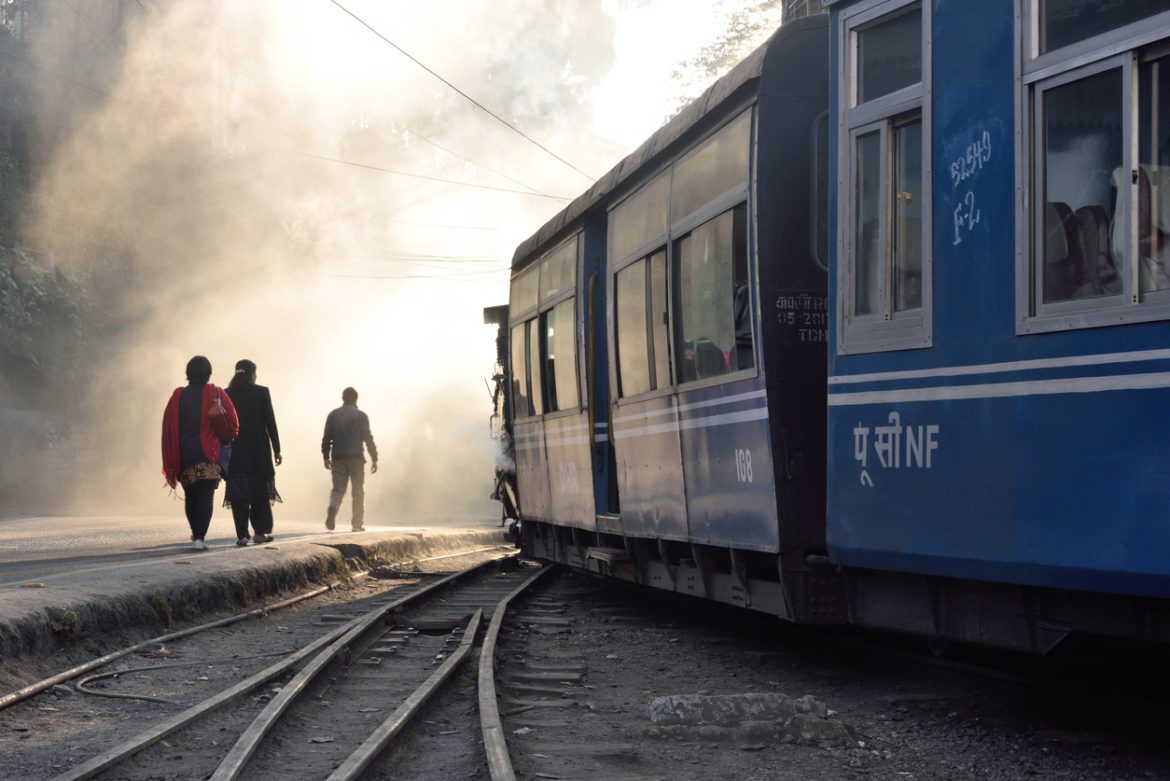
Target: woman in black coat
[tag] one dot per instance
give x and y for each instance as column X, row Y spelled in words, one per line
column 251, row 484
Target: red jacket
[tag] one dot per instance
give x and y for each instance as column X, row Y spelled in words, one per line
column 172, row 463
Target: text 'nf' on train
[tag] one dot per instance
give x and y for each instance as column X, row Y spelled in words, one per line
column 872, row 333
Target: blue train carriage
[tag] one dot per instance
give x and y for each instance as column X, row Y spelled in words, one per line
column 702, row 325
column 999, row 358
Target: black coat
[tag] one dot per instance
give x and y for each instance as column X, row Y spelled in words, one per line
column 251, row 454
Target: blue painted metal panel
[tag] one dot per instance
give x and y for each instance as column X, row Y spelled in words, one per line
column 727, row 466
column 1066, row 490
column 1049, row 474
column 532, row 470
column 567, row 442
column 649, row 465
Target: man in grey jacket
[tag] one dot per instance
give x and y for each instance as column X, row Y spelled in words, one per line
column 346, row 428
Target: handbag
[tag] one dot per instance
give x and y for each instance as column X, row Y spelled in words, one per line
column 217, row 418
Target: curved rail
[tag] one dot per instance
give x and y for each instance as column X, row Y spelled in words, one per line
column 33, row 689
column 379, row 739
column 237, row 758
column 494, row 744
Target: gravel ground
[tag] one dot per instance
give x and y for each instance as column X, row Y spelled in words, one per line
column 883, row 718
column 606, row 682
column 55, row 730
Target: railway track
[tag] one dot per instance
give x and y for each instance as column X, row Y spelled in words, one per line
column 331, row 707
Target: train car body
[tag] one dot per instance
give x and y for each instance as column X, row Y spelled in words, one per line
column 999, row 346
column 689, row 454
column 874, row 332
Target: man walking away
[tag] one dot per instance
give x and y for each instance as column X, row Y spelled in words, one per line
column 346, row 428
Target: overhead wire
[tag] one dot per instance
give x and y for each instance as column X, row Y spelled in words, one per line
column 371, row 167
column 479, row 105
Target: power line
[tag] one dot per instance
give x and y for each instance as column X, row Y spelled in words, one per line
column 442, row 148
column 443, row 225
column 111, row 96
column 482, row 107
column 422, row 176
column 465, row 276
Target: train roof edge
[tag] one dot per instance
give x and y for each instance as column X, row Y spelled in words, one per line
column 717, row 95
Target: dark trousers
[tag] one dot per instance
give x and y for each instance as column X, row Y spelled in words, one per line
column 349, row 470
column 198, row 499
column 251, row 500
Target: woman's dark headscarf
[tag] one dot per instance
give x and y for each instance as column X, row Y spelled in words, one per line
column 198, row 370
column 245, row 373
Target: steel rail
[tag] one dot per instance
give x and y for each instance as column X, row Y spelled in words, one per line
column 380, row 738
column 129, row 748
column 33, row 689
column 237, row 758
column 494, row 744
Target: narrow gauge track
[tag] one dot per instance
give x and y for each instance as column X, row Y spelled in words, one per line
column 390, row 659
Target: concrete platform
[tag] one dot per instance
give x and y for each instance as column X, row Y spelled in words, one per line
column 45, row 614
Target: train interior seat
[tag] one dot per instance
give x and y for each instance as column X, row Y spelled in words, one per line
column 1100, row 269
column 1064, row 266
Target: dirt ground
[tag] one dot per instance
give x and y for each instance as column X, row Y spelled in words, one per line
column 608, row 653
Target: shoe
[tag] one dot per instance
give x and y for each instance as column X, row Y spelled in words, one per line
column 329, row 524
column 260, row 539
column 200, row 545
column 359, row 528
column 242, row 542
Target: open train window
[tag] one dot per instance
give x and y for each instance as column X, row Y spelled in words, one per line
column 559, row 356
column 1095, row 102
column 884, row 272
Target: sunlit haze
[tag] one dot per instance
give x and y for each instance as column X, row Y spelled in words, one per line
column 235, row 184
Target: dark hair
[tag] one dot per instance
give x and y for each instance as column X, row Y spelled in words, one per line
column 198, row 370
column 245, row 373
column 349, row 396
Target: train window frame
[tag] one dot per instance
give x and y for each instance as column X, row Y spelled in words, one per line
column 533, row 317
column 1127, row 49
column 678, row 320
column 655, row 388
column 889, row 328
column 716, row 204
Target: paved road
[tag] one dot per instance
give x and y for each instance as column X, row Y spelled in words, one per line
column 37, row 548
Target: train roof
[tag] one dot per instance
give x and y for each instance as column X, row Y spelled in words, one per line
column 744, row 73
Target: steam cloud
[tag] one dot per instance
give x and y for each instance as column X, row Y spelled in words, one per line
column 201, row 204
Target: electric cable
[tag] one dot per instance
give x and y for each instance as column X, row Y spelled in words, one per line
column 482, row 107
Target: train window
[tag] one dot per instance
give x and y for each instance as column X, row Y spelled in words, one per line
column 536, row 405
column 883, row 277
column 559, row 356
column 1079, row 160
column 659, row 327
column 718, row 165
column 1065, row 22
column 523, row 295
column 889, row 54
column 640, row 218
column 558, row 270
column 714, row 299
column 521, row 397
column 641, row 313
column 1097, row 225
column 632, row 345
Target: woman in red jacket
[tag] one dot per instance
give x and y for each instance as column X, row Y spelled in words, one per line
column 192, row 453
